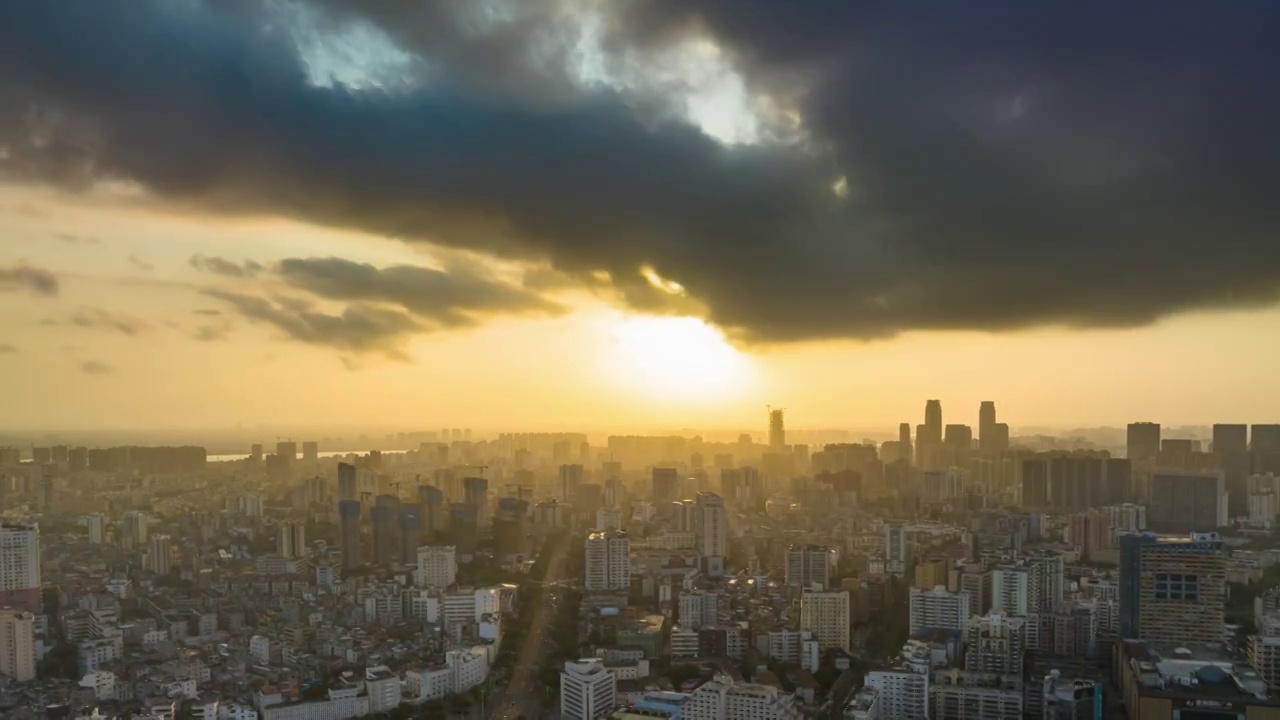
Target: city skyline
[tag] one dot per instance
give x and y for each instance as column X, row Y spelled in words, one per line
column 617, row 250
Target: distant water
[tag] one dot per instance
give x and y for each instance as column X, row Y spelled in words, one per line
column 330, row 454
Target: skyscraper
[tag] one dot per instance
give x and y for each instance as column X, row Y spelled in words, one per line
column 713, row 533
column 349, row 530
column 986, row 421
column 431, row 504
column 929, row 435
column 808, row 565
column 291, row 539
column 20, row 567
column 1143, row 442
column 571, row 477
column 160, row 555
column 288, row 451
column 476, row 492
column 409, row 522
column 826, row 615
column 1172, row 589
column 1187, row 501
column 607, row 561
column 588, row 690
column 347, row 482
column 437, row 566
column 666, row 487
column 1231, row 446
column 310, row 451
column 384, row 533
column 17, row 645
column 777, row 433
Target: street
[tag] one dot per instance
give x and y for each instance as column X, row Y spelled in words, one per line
column 523, row 695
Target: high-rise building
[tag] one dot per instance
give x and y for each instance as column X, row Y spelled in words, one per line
column 437, row 566
column 349, row 532
column 20, row 567
column 777, row 432
column 1077, row 481
column 608, row 561
column 897, row 550
column 996, row 644
column 1231, row 448
column 1172, row 589
column 571, row 476
column 826, row 615
column 384, row 533
column 712, row 533
column 310, row 451
column 17, row 645
column 666, row 487
column 588, row 690
column 993, row 437
column 938, row 609
column 133, row 529
column 288, row 451
column 409, row 528
column 96, row 526
column 808, row 565
column 475, row 492
column 347, row 489
column 904, row 441
column 903, row 692
column 1143, row 442
column 1187, row 501
column 160, row 555
column 432, row 505
column 291, row 539
column 1035, row 483
column 1011, row 590
column 1264, row 449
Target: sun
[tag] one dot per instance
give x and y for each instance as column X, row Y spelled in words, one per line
column 678, row 359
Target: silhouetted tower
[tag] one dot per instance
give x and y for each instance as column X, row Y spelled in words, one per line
column 777, row 432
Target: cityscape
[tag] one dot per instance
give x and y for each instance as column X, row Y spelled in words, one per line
column 956, row 571
column 639, row 359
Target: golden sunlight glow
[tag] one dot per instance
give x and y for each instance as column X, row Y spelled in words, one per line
column 681, row 359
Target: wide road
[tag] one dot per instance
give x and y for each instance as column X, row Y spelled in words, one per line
column 523, row 695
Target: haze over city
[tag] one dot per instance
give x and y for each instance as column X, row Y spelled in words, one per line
column 630, row 359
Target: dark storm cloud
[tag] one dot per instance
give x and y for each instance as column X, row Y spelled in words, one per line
column 222, row 266
column 25, row 277
column 455, row 296
column 1008, row 164
column 358, row 328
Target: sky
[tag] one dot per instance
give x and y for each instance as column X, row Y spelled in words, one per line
column 636, row 214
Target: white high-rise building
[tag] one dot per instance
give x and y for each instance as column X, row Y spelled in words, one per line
column 291, row 539
column 1011, row 590
column 17, row 645
column 159, row 555
column 723, row 699
column 826, row 615
column 903, row 692
column 96, row 524
column 437, row 566
column 713, row 533
column 588, row 690
column 699, row 608
column 608, row 561
column 938, row 609
column 20, row 567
